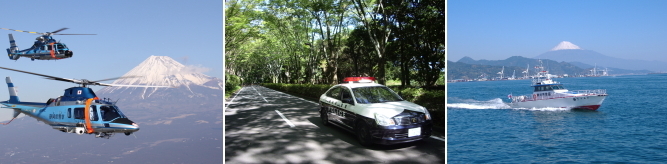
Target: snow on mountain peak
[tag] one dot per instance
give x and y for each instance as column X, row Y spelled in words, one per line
column 163, row 71
column 565, row 45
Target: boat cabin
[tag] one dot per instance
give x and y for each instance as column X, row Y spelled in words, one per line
column 551, row 87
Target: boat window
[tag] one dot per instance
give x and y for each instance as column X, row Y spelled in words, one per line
column 110, row 113
column 379, row 94
column 556, row 87
column 69, row 112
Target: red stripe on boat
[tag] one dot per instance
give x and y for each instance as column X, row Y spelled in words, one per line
column 589, row 107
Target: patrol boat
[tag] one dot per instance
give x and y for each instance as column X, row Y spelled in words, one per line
column 551, row 94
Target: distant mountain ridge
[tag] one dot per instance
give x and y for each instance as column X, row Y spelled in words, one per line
column 470, row 68
column 460, row 70
column 192, row 91
column 522, row 62
column 569, row 52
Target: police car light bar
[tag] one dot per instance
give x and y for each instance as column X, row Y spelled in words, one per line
column 359, row 79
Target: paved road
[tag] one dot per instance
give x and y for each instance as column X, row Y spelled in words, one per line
column 266, row 126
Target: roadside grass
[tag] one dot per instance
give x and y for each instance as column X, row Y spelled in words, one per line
column 230, row 92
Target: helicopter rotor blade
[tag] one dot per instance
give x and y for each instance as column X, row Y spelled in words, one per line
column 73, row 34
column 86, row 82
column 47, row 76
column 123, row 77
column 145, row 86
column 122, row 85
column 59, row 30
column 21, row 31
column 46, row 33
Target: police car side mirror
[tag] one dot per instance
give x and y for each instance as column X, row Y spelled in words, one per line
column 349, row 101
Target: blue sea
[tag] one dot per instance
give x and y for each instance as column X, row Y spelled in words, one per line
column 629, row 127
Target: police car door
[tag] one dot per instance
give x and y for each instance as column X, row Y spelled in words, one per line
column 336, row 113
column 347, row 102
column 333, row 100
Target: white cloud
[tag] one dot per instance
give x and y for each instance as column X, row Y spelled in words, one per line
column 194, row 69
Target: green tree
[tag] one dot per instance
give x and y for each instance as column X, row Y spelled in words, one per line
column 417, row 40
column 239, row 30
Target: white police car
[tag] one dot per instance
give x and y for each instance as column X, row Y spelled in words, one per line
column 375, row 113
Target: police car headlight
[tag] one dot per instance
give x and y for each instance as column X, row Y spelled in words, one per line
column 427, row 115
column 383, row 120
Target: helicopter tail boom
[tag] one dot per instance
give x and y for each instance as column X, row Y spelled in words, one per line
column 13, row 97
column 12, row 48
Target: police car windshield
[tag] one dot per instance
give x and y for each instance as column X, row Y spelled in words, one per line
column 378, row 94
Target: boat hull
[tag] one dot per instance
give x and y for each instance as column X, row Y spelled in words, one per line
column 590, row 102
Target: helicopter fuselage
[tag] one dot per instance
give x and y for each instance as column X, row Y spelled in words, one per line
column 79, row 111
column 45, row 48
column 48, row 49
column 67, row 116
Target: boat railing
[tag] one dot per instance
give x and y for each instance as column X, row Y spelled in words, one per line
column 590, row 92
column 553, row 95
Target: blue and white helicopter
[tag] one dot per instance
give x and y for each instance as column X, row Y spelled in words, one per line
column 78, row 110
column 45, row 48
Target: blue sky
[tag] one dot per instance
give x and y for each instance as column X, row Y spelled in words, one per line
column 496, row 30
column 128, row 32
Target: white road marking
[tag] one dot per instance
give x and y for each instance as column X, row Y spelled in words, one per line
column 237, row 93
column 295, row 97
column 260, row 95
column 285, row 118
column 438, row 138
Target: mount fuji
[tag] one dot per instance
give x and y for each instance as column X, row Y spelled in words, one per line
column 571, row 53
column 565, row 45
column 182, row 124
column 191, row 91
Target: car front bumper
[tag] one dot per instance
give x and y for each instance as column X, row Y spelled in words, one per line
column 388, row 135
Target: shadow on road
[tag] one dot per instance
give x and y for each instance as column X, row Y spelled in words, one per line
column 255, row 133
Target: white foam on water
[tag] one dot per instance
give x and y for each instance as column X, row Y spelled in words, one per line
column 496, row 103
column 544, row 109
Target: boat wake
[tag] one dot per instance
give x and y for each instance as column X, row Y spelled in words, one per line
column 497, row 103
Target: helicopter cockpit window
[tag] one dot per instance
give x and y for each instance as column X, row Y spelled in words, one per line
column 110, row 113
column 49, row 47
column 60, row 46
column 78, row 113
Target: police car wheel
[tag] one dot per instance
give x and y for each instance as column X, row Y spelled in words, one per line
column 325, row 117
column 362, row 134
